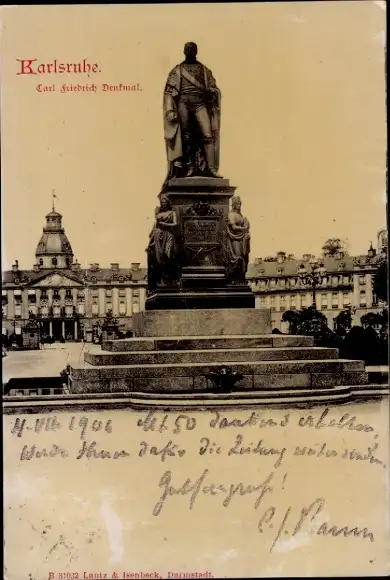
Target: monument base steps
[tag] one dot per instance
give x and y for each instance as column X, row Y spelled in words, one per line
column 182, row 356
column 297, row 398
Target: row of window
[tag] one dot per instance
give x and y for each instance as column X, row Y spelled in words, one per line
column 69, row 294
column 69, row 291
column 70, row 310
column 54, row 261
column 45, row 311
column 122, row 306
column 296, row 282
column 305, row 301
column 109, row 292
column 44, row 293
column 122, row 309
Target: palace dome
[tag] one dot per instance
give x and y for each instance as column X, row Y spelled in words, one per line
column 54, row 243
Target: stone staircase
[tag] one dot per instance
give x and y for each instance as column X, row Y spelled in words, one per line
column 166, row 366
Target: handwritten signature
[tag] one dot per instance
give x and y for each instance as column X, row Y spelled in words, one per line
column 308, row 517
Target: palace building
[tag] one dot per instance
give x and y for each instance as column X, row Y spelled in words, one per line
column 69, row 301
column 345, row 282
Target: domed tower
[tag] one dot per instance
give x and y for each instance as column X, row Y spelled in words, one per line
column 54, row 249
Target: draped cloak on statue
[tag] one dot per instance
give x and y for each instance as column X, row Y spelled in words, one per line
column 172, row 130
column 163, row 250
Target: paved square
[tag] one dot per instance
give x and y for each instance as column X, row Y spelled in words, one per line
column 49, row 361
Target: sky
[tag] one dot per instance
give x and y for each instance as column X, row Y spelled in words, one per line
column 303, row 134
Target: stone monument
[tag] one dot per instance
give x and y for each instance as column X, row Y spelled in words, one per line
column 110, row 327
column 31, row 337
column 201, row 341
column 199, row 247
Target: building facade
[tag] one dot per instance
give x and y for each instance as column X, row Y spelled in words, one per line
column 69, row 301
column 345, row 282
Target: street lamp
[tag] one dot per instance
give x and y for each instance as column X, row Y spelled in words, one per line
column 40, row 326
column 312, row 278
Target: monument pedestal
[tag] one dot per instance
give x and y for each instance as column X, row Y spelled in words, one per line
column 197, row 298
column 211, row 322
column 202, row 206
column 195, row 358
column 202, row 341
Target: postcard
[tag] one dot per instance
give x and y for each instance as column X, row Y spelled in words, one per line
column 194, row 290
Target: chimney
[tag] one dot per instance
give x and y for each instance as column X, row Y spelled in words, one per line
column 306, row 257
column 114, row 267
column 371, row 251
column 94, row 267
column 75, row 267
column 135, row 266
column 258, row 261
column 15, row 267
column 36, row 267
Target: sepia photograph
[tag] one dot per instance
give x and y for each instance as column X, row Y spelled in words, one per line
column 195, row 290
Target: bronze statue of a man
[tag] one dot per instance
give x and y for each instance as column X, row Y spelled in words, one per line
column 192, row 105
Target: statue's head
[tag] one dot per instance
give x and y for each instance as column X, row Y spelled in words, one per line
column 236, row 203
column 164, row 203
column 190, row 49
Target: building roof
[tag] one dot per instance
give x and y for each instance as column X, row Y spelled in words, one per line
column 289, row 267
column 53, row 243
column 104, row 274
column 82, row 276
column 53, row 240
column 53, row 213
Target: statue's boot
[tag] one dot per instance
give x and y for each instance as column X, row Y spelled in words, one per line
column 190, row 171
column 209, row 153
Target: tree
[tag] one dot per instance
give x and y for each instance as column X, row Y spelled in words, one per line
column 314, row 323
column 380, row 281
column 309, row 322
column 370, row 319
column 311, row 313
column 292, row 317
column 355, row 344
column 376, row 319
column 343, row 322
column 333, row 246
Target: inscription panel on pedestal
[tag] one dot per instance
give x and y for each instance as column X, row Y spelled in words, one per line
column 200, row 230
column 202, row 240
